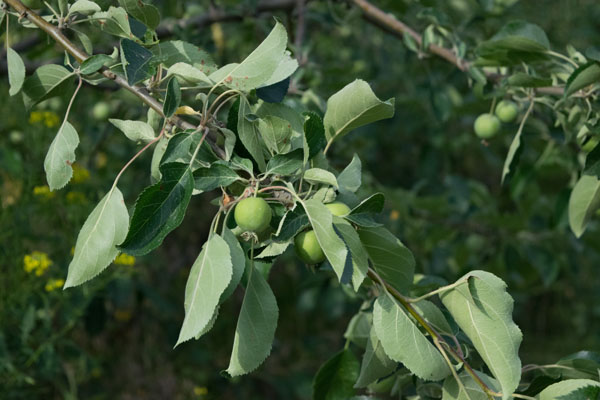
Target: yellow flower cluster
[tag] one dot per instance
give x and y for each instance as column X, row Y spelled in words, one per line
column 76, row 197
column 80, row 174
column 36, row 262
column 54, row 284
column 200, row 391
column 122, row 315
column 43, row 191
column 124, row 259
column 48, row 118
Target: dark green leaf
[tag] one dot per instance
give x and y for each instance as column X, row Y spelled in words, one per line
column 315, row 133
column 364, row 213
column 522, row 79
column 335, row 379
column 274, row 93
column 159, row 209
column 216, row 175
column 582, row 77
column 294, row 221
column 47, row 81
column 136, row 61
column 146, row 13
column 172, row 98
column 285, row 164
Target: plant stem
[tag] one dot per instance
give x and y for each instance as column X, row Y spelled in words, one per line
column 428, row 328
column 438, row 291
column 79, row 55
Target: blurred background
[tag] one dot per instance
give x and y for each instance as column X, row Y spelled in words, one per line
column 113, row 337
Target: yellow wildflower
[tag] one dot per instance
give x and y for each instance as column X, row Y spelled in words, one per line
column 49, row 118
column 80, row 174
column 101, row 160
column 124, row 259
column 200, row 391
column 37, row 262
column 76, row 197
column 53, row 284
column 122, row 315
column 43, row 191
column 394, row 215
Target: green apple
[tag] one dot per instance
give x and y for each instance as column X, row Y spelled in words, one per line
column 101, row 111
column 307, row 247
column 486, row 126
column 506, row 111
column 338, row 208
column 252, row 214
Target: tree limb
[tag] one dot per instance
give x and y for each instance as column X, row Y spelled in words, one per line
column 80, row 56
column 392, row 25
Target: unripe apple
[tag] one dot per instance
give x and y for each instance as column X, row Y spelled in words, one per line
column 101, row 111
column 252, row 214
column 338, row 208
column 506, row 111
column 486, row 126
column 307, row 247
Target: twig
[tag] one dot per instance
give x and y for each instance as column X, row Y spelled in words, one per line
column 80, row 56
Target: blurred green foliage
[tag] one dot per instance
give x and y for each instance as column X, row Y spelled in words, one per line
column 113, row 337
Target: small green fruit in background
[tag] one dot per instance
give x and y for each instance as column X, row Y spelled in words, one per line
column 101, row 111
column 307, row 247
column 252, row 214
column 338, row 208
column 487, row 126
column 506, row 111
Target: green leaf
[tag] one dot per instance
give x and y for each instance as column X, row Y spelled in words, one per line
column 137, row 61
column 273, row 249
column 522, row 79
column 96, row 245
column 390, row 258
column 453, row 391
column 287, row 66
column 583, row 203
column 172, row 98
column 60, row 156
column 276, row 133
column 182, row 146
column 144, row 12
column 320, row 176
column 94, row 63
column 364, row 213
column 322, row 222
column 84, row 7
column 249, row 135
column 285, row 164
column 134, row 130
column 433, row 315
column 583, row 76
column 583, row 364
column 375, row 363
column 350, row 178
column 274, row 93
column 360, row 262
column 238, row 263
column 114, row 22
column 209, row 325
column 354, row 106
column 190, row 74
column 208, row 279
column 47, row 81
column 359, row 329
column 403, row 341
column 256, row 326
column 335, row 379
column 16, row 71
column 483, row 310
column 259, row 66
column 216, row 175
column 314, row 131
column 512, row 155
column 157, row 155
column 590, row 392
column 518, row 39
column 177, row 51
column 293, row 222
column 159, row 209
column 553, row 392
